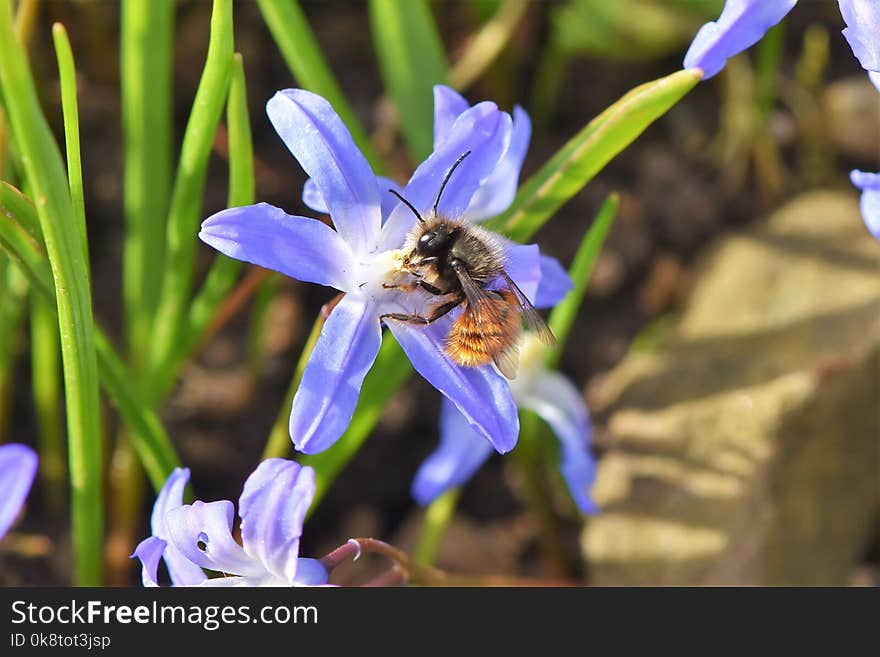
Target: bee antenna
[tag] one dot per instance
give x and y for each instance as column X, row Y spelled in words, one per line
column 446, row 179
column 409, row 205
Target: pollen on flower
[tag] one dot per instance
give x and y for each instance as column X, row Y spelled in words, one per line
column 384, row 278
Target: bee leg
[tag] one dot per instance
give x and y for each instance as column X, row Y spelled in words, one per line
column 433, row 289
column 409, row 287
column 403, row 317
column 436, row 314
column 406, row 287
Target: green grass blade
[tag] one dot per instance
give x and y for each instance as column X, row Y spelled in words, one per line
column 241, row 148
column 487, row 43
column 563, row 315
column 307, row 64
column 575, row 164
column 146, row 43
column 224, row 271
column 70, row 110
column 149, row 438
column 46, row 389
column 412, row 61
column 66, row 251
column 185, row 209
column 15, row 204
column 15, row 287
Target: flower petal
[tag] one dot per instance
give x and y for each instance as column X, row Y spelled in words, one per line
column 312, row 196
column 310, row 572
column 497, row 193
column 327, row 396
column 273, row 507
column 869, row 183
column 229, row 582
column 862, row 18
column 18, row 465
column 460, row 454
column 149, row 551
column 210, row 523
column 389, row 200
column 481, row 394
column 742, row 24
column 302, row 248
column 482, row 130
column 182, row 571
column 874, row 76
column 523, row 265
column 541, row 278
column 448, row 106
column 555, row 283
column 322, row 144
column 561, row 405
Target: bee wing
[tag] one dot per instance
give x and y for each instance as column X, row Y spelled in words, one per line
column 533, row 320
column 507, row 360
column 484, row 308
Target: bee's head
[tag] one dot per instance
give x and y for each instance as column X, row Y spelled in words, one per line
column 434, row 241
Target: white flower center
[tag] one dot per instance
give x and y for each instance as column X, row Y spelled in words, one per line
column 378, row 277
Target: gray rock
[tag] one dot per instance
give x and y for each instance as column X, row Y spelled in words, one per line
column 745, row 449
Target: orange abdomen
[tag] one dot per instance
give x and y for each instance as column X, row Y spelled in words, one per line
column 477, row 340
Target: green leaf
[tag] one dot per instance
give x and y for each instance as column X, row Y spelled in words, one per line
column 438, row 515
column 412, row 61
column 46, row 389
column 186, row 197
column 224, row 271
column 146, row 43
column 67, row 255
column 563, row 315
column 15, row 287
column 307, row 64
column 70, row 110
column 486, row 44
column 587, row 153
column 149, row 438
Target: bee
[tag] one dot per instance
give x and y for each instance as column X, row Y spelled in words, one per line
column 463, row 264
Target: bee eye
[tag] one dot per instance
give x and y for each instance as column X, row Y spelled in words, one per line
column 429, row 243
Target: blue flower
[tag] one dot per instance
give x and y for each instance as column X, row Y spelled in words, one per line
column 362, row 255
column 742, row 24
column 862, row 18
column 549, row 394
column 869, row 183
column 190, row 537
column 862, row 31
column 18, row 465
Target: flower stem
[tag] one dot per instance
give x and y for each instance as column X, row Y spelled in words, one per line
column 419, row 574
column 437, row 518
